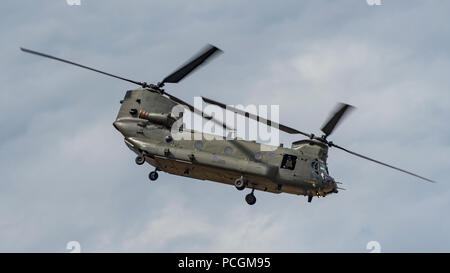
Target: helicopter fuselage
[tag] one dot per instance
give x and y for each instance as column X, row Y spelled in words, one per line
column 145, row 122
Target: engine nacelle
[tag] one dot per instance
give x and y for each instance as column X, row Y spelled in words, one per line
column 162, row 119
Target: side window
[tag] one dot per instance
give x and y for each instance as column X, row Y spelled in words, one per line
column 289, row 162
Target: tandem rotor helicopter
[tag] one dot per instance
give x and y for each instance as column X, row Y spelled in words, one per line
column 145, row 121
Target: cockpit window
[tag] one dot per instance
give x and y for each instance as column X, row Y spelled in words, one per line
column 323, row 167
column 319, row 166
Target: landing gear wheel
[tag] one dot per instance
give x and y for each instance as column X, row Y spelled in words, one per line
column 140, row 159
column 240, row 184
column 153, row 176
column 250, row 198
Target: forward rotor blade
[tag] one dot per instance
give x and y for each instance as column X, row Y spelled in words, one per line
column 143, row 84
column 379, row 162
column 281, row 127
column 197, row 111
column 334, row 119
column 199, row 59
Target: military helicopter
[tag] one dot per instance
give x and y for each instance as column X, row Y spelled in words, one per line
column 145, row 120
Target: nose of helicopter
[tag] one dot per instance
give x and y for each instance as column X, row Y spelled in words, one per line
column 332, row 185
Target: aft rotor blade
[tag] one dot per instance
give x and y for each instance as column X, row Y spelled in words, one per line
column 199, row 59
column 379, row 162
column 281, row 127
column 143, row 84
column 197, row 111
column 334, row 119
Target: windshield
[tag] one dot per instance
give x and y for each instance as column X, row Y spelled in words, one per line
column 320, row 171
column 322, row 167
column 319, row 166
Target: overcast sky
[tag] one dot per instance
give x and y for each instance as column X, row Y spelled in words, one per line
column 66, row 174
